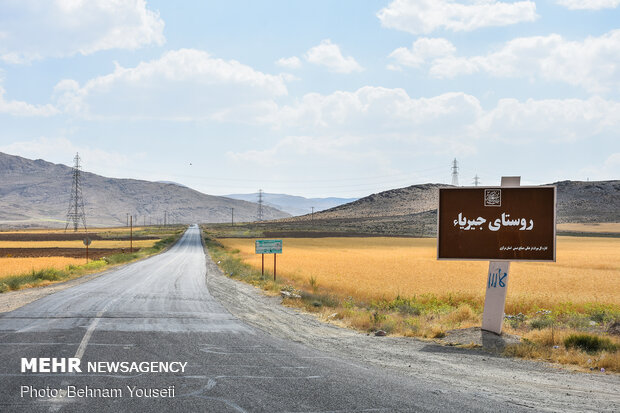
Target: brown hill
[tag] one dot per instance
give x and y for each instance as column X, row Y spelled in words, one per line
column 412, row 211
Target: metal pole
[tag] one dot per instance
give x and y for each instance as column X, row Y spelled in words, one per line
column 131, row 234
column 232, row 217
column 274, row 266
column 262, row 269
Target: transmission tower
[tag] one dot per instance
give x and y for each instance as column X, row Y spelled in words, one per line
column 455, row 172
column 260, row 205
column 76, row 213
column 476, row 180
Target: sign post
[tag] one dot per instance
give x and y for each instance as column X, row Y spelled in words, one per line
column 87, row 242
column 497, row 282
column 268, row 246
column 498, row 224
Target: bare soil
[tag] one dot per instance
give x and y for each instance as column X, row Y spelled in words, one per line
column 93, row 253
column 25, row 236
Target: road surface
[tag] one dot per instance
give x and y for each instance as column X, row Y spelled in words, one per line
column 160, row 310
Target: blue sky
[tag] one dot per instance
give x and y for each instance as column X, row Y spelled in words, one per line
column 314, row 98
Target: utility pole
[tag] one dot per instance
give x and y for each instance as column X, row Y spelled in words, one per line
column 260, row 205
column 312, row 216
column 131, row 234
column 76, row 213
column 232, row 217
column 455, row 172
column 476, row 180
column 127, row 224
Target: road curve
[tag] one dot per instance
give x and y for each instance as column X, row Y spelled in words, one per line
column 160, row 309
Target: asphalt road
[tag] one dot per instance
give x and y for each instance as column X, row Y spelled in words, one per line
column 160, row 309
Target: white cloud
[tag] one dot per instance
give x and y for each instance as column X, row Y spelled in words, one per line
column 289, row 62
column 551, row 120
column 182, row 84
column 591, row 64
column 329, row 55
column 19, row 108
column 452, row 118
column 426, row 16
column 386, row 127
column 33, row 29
column 421, row 51
column 589, row 4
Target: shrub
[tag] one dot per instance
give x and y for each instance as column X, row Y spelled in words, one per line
column 540, row 323
column 589, row 343
column 314, row 284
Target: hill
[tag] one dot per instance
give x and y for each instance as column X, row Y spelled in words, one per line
column 37, row 193
column 412, row 211
column 294, row 205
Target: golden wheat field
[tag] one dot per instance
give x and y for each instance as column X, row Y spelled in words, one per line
column 77, row 244
column 16, row 266
column 587, row 269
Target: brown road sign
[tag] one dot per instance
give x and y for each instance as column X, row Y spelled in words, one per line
column 497, row 223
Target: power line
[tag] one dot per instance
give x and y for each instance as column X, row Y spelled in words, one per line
column 455, row 172
column 476, row 180
column 76, row 213
column 260, row 205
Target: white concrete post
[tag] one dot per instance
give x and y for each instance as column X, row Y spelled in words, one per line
column 497, row 283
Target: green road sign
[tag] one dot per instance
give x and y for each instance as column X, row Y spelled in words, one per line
column 269, row 246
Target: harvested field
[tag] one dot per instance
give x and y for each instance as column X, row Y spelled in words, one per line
column 605, row 227
column 113, row 244
column 13, row 266
column 587, row 270
column 93, row 253
column 65, row 237
column 80, row 230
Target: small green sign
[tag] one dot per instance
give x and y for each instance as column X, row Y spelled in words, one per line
column 269, row 246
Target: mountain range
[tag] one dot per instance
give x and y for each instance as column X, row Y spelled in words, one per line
column 35, row 193
column 294, row 205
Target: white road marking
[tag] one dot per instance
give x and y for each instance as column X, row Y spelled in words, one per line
column 89, row 332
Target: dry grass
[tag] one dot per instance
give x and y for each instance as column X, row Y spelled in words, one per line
column 12, row 266
column 587, row 270
column 76, row 244
column 602, row 227
column 397, row 285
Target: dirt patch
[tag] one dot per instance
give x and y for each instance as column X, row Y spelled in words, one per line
column 63, row 237
column 317, row 234
column 477, row 337
column 94, row 253
column 46, row 237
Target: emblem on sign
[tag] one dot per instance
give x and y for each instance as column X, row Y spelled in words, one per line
column 493, row 197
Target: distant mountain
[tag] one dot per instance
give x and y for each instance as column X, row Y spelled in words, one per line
column 294, row 205
column 595, row 201
column 37, row 193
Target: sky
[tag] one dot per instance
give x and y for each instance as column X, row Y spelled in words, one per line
column 314, row 98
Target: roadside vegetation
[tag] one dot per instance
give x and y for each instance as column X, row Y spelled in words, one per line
column 26, row 272
column 570, row 316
